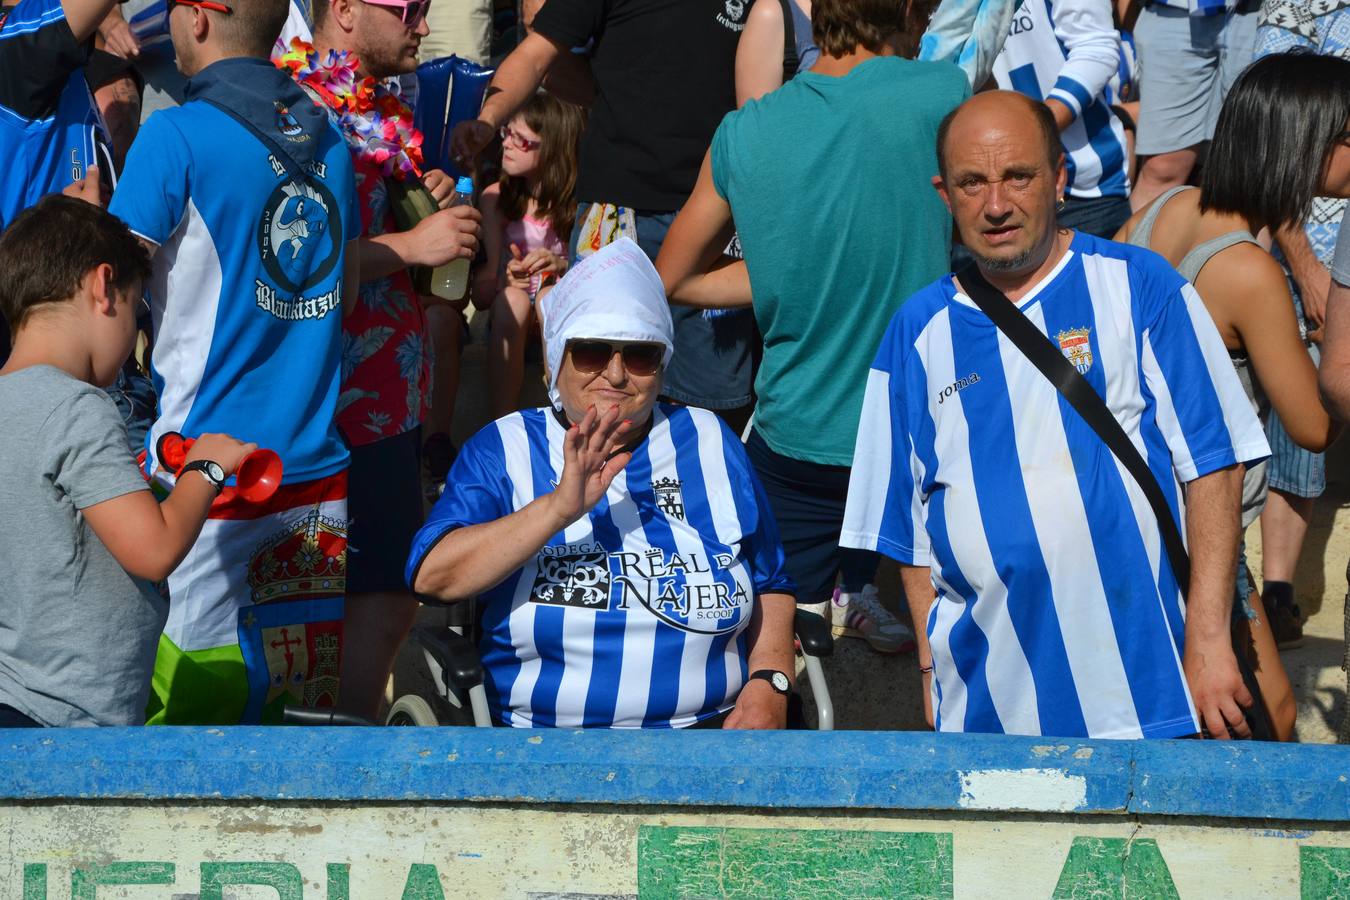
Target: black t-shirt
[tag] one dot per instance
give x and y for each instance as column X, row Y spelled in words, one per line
column 665, row 76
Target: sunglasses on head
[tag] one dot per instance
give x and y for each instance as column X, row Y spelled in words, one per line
column 592, row 357
column 201, row 4
column 411, row 12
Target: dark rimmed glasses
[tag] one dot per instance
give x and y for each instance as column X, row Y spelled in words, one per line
column 510, row 136
column 591, row 357
column 411, row 12
column 200, row 4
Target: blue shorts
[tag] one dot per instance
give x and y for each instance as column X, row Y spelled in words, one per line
column 807, row 500
column 713, row 365
column 1292, row 469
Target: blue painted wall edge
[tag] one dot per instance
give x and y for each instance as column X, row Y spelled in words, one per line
column 779, row 770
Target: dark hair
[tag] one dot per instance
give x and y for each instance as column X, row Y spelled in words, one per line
column 50, row 247
column 841, row 26
column 559, row 125
column 1275, row 136
column 1050, row 138
column 252, row 29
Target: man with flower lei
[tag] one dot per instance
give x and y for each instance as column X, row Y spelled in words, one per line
column 387, row 360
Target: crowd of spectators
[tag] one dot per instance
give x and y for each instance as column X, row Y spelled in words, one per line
column 1040, row 300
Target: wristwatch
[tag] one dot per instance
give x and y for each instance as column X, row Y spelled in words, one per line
column 776, row 679
column 210, row 470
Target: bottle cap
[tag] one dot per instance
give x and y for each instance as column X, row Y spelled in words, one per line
column 464, row 185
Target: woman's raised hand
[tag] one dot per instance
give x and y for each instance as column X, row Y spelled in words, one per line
column 590, row 462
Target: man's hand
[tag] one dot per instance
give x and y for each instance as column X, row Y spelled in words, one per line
column 220, row 449
column 118, row 38
column 89, row 188
column 468, row 140
column 444, row 235
column 1314, row 283
column 440, row 185
column 1063, row 115
column 590, row 462
column 1216, row 687
column 759, row 707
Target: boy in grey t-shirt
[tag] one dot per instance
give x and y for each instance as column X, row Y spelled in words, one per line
column 81, row 536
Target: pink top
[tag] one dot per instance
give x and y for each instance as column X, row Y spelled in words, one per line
column 529, row 233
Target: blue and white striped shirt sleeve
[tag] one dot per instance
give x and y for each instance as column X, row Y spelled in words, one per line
column 885, row 507
column 477, row 490
column 1202, row 410
column 1092, row 44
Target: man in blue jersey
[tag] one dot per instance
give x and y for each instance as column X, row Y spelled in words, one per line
column 1056, row 610
column 50, row 133
column 1065, row 52
column 247, row 194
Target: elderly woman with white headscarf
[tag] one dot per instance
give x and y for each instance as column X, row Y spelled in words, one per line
column 628, row 567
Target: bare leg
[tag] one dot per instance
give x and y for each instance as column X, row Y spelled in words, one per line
column 1160, row 173
column 446, row 326
column 1270, row 673
column 374, row 628
column 1284, row 524
column 506, row 349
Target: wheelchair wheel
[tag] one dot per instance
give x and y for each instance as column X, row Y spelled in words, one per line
column 411, row 709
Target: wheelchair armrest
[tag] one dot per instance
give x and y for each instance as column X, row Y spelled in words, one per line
column 455, row 653
column 303, row 715
column 813, row 632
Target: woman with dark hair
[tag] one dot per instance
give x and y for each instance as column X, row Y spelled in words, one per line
column 1283, row 112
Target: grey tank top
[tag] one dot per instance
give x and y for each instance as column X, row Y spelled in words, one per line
column 1254, row 480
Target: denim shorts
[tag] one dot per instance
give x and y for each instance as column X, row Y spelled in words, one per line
column 1292, row 469
column 713, row 364
column 1187, row 64
column 384, row 504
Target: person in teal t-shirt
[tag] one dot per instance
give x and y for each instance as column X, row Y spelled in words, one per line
column 828, row 180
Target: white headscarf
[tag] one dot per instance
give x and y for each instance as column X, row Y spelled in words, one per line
column 612, row 295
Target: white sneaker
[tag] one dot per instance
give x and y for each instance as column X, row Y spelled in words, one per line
column 862, row 615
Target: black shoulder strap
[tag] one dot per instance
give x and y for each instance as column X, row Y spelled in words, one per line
column 1073, row 387
column 790, row 58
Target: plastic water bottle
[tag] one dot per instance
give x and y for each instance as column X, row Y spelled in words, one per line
column 451, row 280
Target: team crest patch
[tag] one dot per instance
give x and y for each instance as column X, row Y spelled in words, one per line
column 1077, row 348
column 669, row 499
column 286, row 122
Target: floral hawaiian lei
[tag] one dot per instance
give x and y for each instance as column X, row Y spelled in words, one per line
column 377, row 123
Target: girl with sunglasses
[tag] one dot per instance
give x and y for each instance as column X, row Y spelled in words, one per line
column 527, row 218
column 625, row 563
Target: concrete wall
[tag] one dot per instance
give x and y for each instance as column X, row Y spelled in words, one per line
column 430, row 813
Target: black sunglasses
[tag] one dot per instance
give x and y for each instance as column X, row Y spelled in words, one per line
column 591, row 357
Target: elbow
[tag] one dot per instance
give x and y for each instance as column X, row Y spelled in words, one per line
column 1314, row 437
column 440, row 582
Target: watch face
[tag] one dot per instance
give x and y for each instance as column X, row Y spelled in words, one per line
column 215, row 471
column 780, row 682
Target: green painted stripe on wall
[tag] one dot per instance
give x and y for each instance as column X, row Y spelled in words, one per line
column 754, row 863
column 1324, row 873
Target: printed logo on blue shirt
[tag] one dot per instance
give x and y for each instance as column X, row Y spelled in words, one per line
column 299, row 251
column 689, row 592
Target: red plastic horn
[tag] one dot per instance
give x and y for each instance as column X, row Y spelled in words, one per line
column 256, row 479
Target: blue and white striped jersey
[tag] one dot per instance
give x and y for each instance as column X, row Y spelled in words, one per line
column 635, row 615
column 1057, row 612
column 1199, row 7
column 1069, row 50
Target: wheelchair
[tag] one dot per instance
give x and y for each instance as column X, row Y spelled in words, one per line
column 451, row 656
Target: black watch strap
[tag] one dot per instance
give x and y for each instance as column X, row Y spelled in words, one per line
column 776, row 679
column 205, row 466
